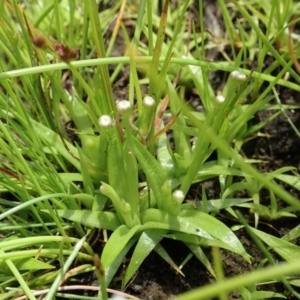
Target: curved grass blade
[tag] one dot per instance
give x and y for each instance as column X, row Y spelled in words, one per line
column 19, row 278
column 198, row 252
column 166, row 257
column 64, row 270
column 53, row 139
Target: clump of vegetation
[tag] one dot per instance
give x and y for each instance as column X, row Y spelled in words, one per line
column 76, row 157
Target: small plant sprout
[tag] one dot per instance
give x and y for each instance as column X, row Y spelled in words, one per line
column 124, row 107
column 178, row 195
column 148, row 101
column 105, row 121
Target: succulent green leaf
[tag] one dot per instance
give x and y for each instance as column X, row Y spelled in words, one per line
column 172, row 222
column 146, row 243
column 115, row 266
column 203, row 242
column 216, row 229
column 93, row 219
column 115, row 246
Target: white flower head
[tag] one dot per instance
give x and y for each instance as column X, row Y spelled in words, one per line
column 105, row 121
column 239, row 76
column 124, row 107
column 220, row 98
column 178, row 195
column 148, row 101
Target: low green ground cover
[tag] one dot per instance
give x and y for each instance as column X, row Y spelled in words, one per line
column 75, row 158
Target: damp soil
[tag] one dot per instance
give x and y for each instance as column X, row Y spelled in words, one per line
column 155, row 279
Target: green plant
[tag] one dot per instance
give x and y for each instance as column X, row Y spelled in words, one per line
column 118, row 171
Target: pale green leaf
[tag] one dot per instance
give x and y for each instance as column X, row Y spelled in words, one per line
column 292, row 234
column 292, row 180
column 94, row 219
column 260, row 295
column 286, row 250
column 28, row 263
column 114, row 267
column 209, row 170
column 115, row 245
column 201, row 241
column 163, row 154
column 295, row 282
column 172, row 222
column 53, row 139
column 217, row 229
column 216, row 204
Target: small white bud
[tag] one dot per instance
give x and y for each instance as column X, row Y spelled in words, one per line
column 194, row 143
column 178, row 195
column 105, row 121
column 239, row 76
column 124, row 107
column 148, row 101
column 220, row 98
